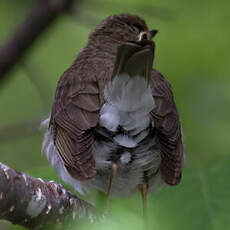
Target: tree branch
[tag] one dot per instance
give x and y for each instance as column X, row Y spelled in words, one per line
column 39, row 18
column 35, row 204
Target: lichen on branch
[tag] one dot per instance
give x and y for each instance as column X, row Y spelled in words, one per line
column 36, row 204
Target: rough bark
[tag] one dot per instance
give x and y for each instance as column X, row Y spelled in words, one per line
column 41, row 16
column 37, row 204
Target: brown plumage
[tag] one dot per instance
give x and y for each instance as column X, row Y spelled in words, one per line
column 80, row 95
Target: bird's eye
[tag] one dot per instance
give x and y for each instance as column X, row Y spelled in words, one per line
column 143, row 36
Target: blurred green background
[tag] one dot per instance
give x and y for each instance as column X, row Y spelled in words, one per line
column 193, row 47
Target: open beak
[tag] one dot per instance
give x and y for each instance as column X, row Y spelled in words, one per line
column 135, row 58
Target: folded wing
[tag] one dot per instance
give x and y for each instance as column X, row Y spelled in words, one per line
column 74, row 117
column 168, row 129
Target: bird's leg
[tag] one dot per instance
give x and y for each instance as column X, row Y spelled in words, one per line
column 144, row 189
column 112, row 177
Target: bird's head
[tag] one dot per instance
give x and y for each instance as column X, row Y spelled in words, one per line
column 131, row 40
column 121, row 28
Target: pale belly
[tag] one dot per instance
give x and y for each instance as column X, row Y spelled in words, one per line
column 134, row 164
column 126, row 136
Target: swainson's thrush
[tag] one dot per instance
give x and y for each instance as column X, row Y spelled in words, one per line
column 114, row 125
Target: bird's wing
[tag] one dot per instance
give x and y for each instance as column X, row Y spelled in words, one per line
column 168, row 129
column 74, row 116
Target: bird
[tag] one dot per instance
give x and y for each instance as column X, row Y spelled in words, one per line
column 114, row 125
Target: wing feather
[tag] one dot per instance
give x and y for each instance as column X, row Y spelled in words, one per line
column 168, row 129
column 75, row 114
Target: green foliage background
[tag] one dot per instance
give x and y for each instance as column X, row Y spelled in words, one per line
column 192, row 52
